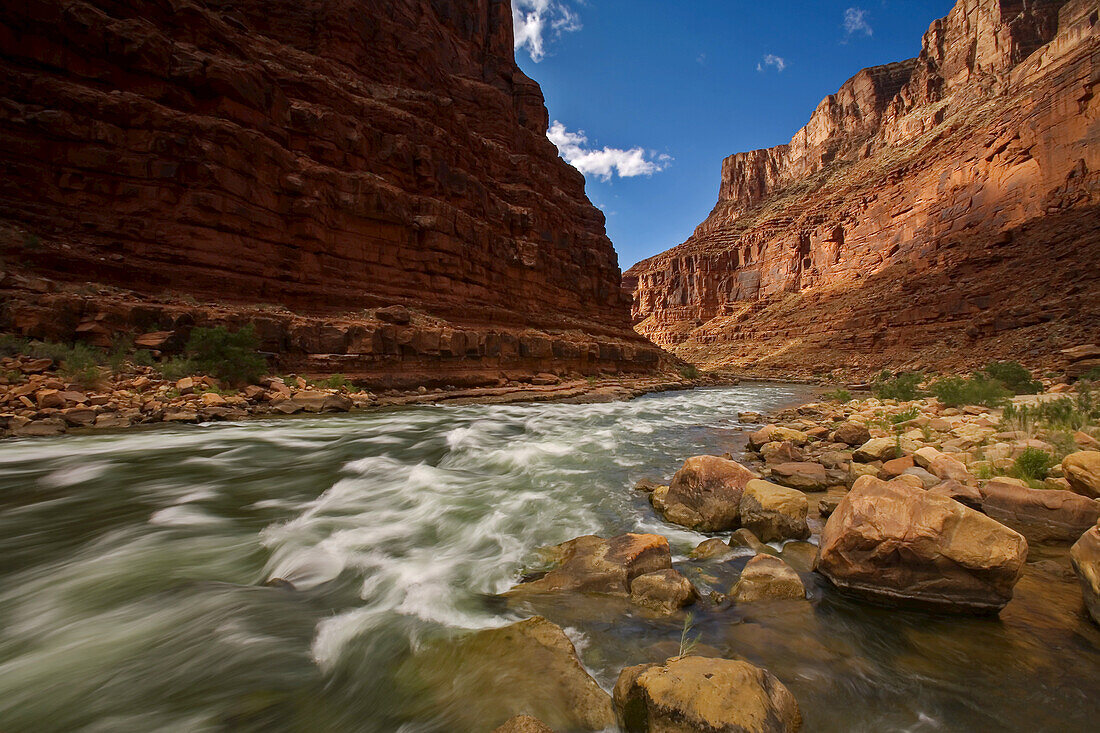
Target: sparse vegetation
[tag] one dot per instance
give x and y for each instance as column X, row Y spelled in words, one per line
column 227, row 355
column 688, row 371
column 336, row 381
column 902, row 387
column 909, row 413
column 687, row 641
column 842, row 396
column 1064, row 414
column 1033, row 465
column 1013, row 376
column 978, row 390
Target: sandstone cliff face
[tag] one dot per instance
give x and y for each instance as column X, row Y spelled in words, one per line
column 943, row 210
column 326, row 156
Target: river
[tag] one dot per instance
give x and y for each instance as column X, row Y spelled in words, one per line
column 132, row 571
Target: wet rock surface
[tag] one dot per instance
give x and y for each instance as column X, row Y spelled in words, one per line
column 529, row 668
column 903, row 545
column 701, row 694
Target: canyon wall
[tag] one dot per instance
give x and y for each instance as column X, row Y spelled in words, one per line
column 933, row 213
column 301, row 164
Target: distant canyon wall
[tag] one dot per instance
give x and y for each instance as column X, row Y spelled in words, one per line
column 327, row 157
column 911, row 215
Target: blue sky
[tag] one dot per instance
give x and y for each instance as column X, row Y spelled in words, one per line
column 670, row 87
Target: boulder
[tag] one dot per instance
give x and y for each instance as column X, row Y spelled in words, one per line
column 1082, row 470
column 802, row 475
column 590, row 564
column 828, row 505
column 774, row 433
column 43, row 428
column 1086, row 442
column 895, row 467
column 966, row 495
column 704, row 694
column 705, row 494
column 926, row 479
column 943, row 466
column 397, row 314
column 781, row 452
column 528, row 668
column 1041, row 515
column 902, row 545
column 46, row 398
column 712, row 549
column 851, row 433
column 523, row 724
column 876, row 449
column 745, row 538
column 773, row 512
column 767, row 578
column 1085, row 557
column 663, row 590
column 78, row 417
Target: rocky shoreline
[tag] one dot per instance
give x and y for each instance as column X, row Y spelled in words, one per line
column 901, row 504
column 36, row 400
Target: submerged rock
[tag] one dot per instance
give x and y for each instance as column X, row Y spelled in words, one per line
column 529, row 668
column 773, row 512
column 705, row 494
column 591, row 564
column 1085, row 556
column 711, row 549
column 704, row 694
column 767, row 578
column 523, row 724
column 663, row 590
column 907, row 546
column 745, row 538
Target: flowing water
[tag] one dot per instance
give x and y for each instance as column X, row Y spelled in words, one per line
column 132, row 571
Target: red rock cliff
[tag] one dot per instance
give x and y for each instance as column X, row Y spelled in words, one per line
column 935, row 212
column 320, row 157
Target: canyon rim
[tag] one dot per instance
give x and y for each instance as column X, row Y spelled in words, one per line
column 932, row 214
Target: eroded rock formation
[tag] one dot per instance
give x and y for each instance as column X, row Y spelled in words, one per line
column 322, row 158
column 932, row 212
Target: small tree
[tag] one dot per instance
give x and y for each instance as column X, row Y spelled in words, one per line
column 229, row 356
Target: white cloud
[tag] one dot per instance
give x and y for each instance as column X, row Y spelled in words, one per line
column 771, row 59
column 855, row 21
column 604, row 162
column 536, row 22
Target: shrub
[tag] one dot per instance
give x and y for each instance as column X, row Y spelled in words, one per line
column 956, row 391
column 80, row 364
column 688, row 371
column 838, row 395
column 902, row 387
column 13, row 345
column 336, row 381
column 1013, row 376
column 1033, row 464
column 226, row 355
column 1092, row 375
column 909, row 413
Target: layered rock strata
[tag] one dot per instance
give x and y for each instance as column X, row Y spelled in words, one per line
column 328, row 157
column 940, row 210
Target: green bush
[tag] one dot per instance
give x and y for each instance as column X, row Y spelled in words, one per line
column 1013, row 376
column 688, row 371
column 902, row 387
column 13, row 345
column 226, row 355
column 1033, row 464
column 956, row 391
column 336, row 381
column 909, row 413
column 842, row 396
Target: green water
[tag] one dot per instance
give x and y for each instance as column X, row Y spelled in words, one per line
column 132, row 569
